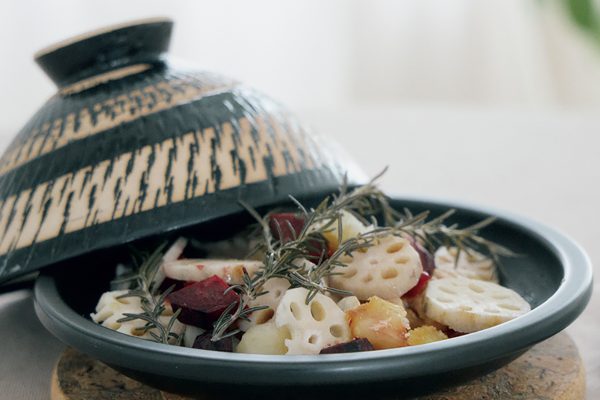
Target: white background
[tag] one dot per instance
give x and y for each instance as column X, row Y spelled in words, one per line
column 315, row 54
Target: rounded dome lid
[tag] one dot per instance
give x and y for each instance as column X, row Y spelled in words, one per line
column 132, row 147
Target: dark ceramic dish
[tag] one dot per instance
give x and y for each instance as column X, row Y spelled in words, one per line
column 132, row 145
column 553, row 274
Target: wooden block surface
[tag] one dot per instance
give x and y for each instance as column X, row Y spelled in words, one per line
column 551, row 370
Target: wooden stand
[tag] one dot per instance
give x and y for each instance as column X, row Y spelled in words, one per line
column 551, row 370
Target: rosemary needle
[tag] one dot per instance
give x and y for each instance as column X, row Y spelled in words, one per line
column 143, row 286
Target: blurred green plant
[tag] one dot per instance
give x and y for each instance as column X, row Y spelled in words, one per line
column 585, row 14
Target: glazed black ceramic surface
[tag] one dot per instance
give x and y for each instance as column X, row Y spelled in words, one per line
column 552, row 273
column 131, row 146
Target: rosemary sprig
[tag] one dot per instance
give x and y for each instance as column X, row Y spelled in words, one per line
column 366, row 203
column 143, row 285
column 281, row 257
column 435, row 233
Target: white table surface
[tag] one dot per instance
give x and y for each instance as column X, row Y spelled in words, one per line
column 545, row 165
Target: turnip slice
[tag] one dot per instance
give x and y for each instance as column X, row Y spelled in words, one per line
column 197, row 270
column 172, row 254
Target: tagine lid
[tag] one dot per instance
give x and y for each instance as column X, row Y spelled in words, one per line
column 131, row 147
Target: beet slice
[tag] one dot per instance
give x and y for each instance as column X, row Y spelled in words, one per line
column 202, row 303
column 353, row 346
column 425, row 256
column 419, row 287
column 451, row 333
column 285, row 227
column 203, row 342
column 428, row 264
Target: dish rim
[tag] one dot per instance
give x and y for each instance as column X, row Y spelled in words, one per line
column 548, row 318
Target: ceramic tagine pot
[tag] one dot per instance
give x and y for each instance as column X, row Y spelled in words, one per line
column 130, row 146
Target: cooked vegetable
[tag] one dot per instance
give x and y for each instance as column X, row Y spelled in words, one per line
column 173, row 253
column 201, row 303
column 425, row 334
column 197, row 270
column 204, row 342
column 312, row 326
column 190, row 335
column 288, row 227
column 348, row 303
column 351, row 228
column 274, row 289
column 469, row 305
column 366, row 203
column 113, row 311
column 143, row 285
column 353, row 346
column 264, row 339
column 351, row 247
column 427, row 260
column 419, row 287
column 389, row 268
column 383, row 323
column 472, row 264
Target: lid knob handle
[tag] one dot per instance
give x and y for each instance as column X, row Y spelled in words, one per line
column 101, row 51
